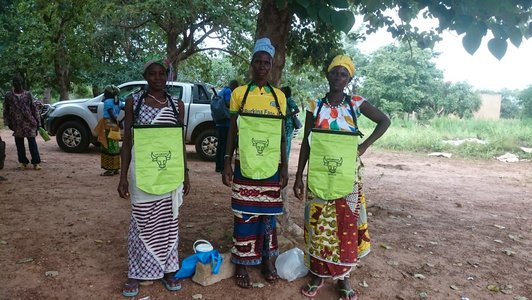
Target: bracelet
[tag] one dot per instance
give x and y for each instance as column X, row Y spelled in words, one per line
column 227, row 156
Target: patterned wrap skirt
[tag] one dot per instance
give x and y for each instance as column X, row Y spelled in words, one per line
column 255, row 204
column 336, row 233
column 110, row 156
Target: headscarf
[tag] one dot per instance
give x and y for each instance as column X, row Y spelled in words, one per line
column 112, row 90
column 165, row 63
column 160, row 62
column 344, row 61
column 265, row 45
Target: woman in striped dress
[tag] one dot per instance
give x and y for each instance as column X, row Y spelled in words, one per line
column 153, row 231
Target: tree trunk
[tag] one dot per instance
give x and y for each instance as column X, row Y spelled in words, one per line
column 275, row 24
column 61, row 67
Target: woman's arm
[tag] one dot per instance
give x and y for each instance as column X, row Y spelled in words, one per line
column 186, row 184
column 227, row 173
column 377, row 116
column 304, row 152
column 125, row 152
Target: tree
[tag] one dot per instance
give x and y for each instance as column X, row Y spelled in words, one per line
column 507, row 20
column 402, row 79
column 186, row 25
column 510, row 106
column 525, row 99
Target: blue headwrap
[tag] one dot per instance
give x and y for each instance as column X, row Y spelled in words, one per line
column 265, row 45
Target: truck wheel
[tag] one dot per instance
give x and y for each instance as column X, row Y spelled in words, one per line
column 73, row 136
column 206, row 143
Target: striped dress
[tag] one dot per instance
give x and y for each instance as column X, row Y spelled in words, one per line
column 153, row 231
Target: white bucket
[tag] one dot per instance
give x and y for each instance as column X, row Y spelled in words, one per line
column 202, row 246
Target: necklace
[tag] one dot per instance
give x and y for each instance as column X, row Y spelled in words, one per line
column 334, row 106
column 157, row 100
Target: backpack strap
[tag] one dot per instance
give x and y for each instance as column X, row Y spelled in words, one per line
column 139, row 106
column 274, row 97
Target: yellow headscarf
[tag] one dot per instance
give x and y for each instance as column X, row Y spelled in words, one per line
column 344, row 61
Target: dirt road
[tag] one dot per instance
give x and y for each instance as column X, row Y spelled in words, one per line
column 444, row 228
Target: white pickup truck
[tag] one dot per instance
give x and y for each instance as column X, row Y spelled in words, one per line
column 73, row 121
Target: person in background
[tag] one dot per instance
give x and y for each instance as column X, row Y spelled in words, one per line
column 336, row 234
column 222, row 127
column 22, row 117
column 2, row 157
column 109, row 144
column 155, row 196
column 260, row 169
column 291, row 112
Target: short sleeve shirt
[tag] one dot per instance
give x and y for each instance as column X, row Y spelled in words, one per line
column 336, row 118
column 109, row 104
column 259, row 100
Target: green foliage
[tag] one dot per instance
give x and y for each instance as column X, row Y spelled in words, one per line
column 525, row 98
column 500, row 136
column 510, row 106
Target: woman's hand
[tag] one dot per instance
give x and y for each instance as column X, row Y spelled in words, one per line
column 227, row 173
column 362, row 149
column 284, row 176
column 123, row 189
column 186, row 184
column 299, row 188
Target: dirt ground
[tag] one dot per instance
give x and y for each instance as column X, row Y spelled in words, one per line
column 441, row 229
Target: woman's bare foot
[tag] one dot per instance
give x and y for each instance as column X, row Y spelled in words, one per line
column 242, row 277
column 268, row 270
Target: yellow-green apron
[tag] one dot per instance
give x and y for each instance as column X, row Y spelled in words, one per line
column 332, row 166
column 159, row 162
column 259, row 145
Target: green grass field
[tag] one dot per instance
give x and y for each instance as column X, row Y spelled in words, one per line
column 482, row 138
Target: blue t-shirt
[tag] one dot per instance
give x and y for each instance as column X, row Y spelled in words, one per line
column 110, row 104
column 225, row 93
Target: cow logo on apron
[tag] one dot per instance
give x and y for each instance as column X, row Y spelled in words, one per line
column 332, row 163
column 161, row 158
column 159, row 161
column 259, row 146
column 332, row 168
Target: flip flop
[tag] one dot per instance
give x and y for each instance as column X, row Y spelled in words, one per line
column 130, row 289
column 348, row 294
column 171, row 285
column 310, row 290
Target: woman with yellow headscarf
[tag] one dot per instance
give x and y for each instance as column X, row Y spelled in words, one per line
column 336, row 233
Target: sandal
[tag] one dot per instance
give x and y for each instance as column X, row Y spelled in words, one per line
column 171, row 283
column 107, row 173
column 348, row 294
column 131, row 289
column 311, row 290
column 242, row 278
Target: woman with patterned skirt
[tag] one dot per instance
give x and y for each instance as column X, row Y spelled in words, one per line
column 335, row 232
column 260, row 170
column 153, row 231
column 109, row 146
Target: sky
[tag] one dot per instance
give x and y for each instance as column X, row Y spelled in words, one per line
column 482, row 70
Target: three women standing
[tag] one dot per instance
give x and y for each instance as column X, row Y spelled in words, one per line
column 154, row 154
column 335, row 231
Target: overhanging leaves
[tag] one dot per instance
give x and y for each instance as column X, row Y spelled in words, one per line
column 497, row 47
